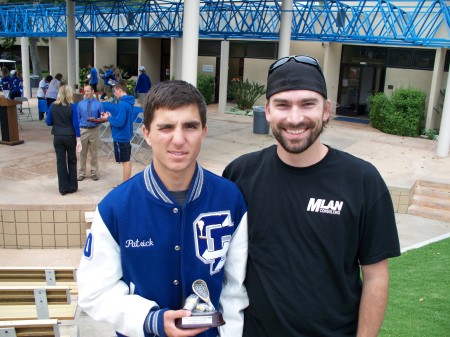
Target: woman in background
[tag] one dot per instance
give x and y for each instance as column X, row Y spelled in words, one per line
column 63, row 116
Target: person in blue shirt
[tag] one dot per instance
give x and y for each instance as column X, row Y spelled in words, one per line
column 122, row 128
column 90, row 136
column 143, row 85
column 15, row 84
column 108, row 82
column 93, row 79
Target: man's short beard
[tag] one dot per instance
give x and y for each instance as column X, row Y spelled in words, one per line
column 297, row 147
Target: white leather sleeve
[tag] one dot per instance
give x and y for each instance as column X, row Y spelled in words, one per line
column 101, row 292
column 234, row 299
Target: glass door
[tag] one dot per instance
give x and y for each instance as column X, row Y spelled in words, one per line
column 349, row 91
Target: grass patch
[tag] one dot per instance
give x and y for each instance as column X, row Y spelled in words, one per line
column 419, row 293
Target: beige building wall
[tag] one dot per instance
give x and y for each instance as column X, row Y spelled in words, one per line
column 58, row 56
column 150, row 57
column 105, row 51
column 408, row 78
column 256, row 70
column 331, row 69
column 314, row 49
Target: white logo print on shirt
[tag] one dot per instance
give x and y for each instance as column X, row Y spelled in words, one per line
column 321, row 206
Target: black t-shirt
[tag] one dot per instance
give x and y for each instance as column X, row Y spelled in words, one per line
column 309, row 231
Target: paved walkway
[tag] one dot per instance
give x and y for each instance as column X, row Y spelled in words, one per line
column 28, row 177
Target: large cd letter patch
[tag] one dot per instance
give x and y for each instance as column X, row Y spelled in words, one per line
column 213, row 233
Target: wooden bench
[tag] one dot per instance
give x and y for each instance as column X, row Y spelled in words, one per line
column 64, row 276
column 30, row 328
column 36, row 302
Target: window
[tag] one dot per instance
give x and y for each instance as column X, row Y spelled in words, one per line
column 424, row 59
column 86, row 52
column 127, row 55
column 261, row 50
column 209, row 48
column 401, row 58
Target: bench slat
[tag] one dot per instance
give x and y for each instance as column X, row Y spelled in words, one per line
column 27, row 312
column 14, row 295
column 33, row 328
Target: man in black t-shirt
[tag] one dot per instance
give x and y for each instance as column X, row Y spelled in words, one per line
column 317, row 217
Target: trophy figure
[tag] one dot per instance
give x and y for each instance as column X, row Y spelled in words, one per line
column 204, row 314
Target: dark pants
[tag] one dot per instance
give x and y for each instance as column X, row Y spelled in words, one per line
column 50, row 101
column 66, row 163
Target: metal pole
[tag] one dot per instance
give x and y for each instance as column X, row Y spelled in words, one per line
column 25, row 66
column 223, row 85
column 285, row 29
column 71, row 49
column 191, row 20
column 444, row 130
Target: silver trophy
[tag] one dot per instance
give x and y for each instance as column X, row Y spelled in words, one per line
column 204, row 314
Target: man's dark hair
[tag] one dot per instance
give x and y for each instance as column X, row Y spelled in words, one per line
column 173, row 95
column 48, row 78
column 58, row 76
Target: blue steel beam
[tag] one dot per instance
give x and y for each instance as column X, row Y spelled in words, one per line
column 393, row 22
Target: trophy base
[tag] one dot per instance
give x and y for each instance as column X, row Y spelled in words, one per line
column 200, row 320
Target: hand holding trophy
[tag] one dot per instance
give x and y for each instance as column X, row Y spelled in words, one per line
column 204, row 314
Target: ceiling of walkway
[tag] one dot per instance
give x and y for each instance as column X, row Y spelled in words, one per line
column 384, row 22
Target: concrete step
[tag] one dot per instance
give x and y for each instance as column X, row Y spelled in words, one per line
column 431, row 192
column 430, row 213
column 430, row 201
column 433, row 185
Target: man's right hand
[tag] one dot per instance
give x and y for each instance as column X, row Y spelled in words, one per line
column 172, row 331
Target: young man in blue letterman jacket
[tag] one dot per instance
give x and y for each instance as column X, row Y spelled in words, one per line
column 166, row 227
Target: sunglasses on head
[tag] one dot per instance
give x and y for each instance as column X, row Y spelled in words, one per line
column 297, row 58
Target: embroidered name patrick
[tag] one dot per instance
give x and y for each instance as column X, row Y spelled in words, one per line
column 136, row 243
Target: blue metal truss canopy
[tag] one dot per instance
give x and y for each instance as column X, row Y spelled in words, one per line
column 386, row 22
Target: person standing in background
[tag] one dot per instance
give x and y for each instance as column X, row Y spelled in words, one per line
column 15, row 84
column 42, row 90
column 143, row 85
column 108, row 82
column 93, row 79
column 63, row 118
column 90, row 136
column 53, row 88
column 321, row 222
column 122, row 128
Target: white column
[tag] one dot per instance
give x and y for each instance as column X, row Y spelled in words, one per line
column 191, row 20
column 223, row 84
column 444, row 130
column 25, row 66
column 285, row 29
column 436, row 81
column 77, row 63
column 71, row 63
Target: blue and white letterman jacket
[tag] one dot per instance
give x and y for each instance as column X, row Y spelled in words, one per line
column 144, row 251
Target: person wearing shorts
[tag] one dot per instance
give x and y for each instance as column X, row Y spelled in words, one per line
column 122, row 151
column 122, row 128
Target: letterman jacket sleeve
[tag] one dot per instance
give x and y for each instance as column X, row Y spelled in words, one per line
column 234, row 299
column 101, row 292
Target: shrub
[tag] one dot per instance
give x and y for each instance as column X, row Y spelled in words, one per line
column 246, row 93
column 401, row 115
column 205, row 84
column 84, row 72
